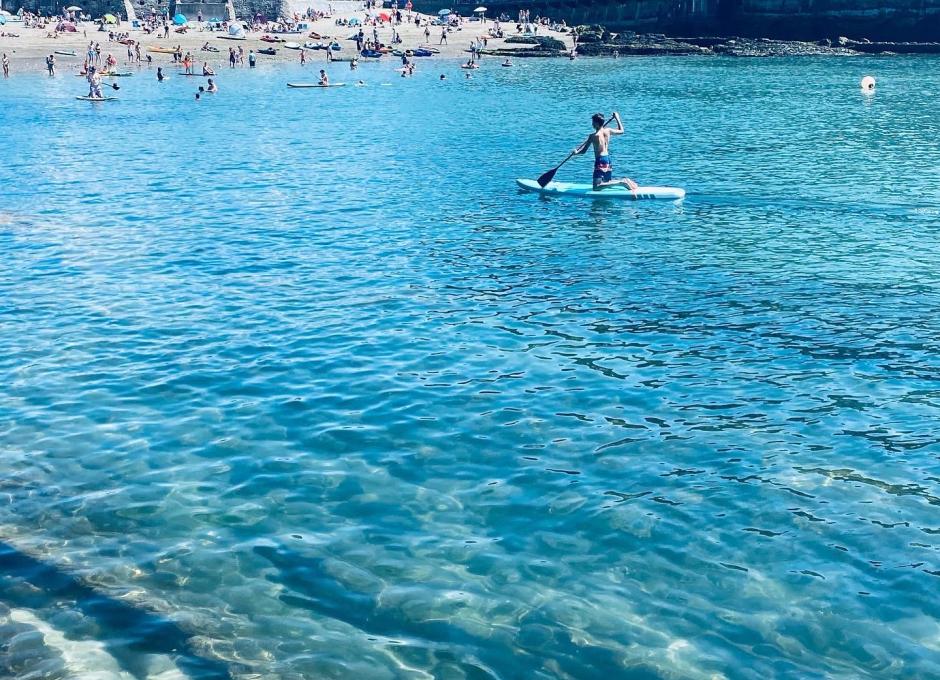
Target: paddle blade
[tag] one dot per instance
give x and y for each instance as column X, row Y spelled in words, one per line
column 546, row 177
column 116, row 86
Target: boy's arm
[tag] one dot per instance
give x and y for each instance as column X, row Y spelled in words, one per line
column 619, row 129
column 584, row 146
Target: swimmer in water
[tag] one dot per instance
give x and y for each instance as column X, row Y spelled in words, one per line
column 212, row 87
column 160, row 76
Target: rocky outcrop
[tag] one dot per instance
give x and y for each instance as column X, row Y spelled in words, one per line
column 597, row 41
column 805, row 20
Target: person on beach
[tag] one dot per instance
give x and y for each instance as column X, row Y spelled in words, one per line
column 303, row 56
column 443, row 36
column 251, row 59
column 600, row 140
column 324, row 79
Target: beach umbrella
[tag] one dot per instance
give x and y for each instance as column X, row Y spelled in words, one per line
column 179, row 20
column 385, row 17
column 73, row 8
column 110, row 19
column 480, row 10
column 443, row 13
column 3, row 20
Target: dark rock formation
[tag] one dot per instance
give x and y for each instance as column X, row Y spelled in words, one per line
column 597, row 41
column 543, row 42
column 892, row 20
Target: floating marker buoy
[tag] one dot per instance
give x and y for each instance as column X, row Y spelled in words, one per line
column 868, row 83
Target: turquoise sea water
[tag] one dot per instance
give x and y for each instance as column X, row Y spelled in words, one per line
column 296, row 384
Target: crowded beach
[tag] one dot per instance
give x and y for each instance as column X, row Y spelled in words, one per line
column 107, row 47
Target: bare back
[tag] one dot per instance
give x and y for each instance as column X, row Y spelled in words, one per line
column 601, row 142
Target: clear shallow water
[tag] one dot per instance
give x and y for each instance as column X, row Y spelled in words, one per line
column 296, row 384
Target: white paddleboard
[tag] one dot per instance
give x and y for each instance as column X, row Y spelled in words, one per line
column 587, row 191
column 97, row 99
column 314, row 85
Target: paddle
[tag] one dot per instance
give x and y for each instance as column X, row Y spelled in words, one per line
column 547, row 177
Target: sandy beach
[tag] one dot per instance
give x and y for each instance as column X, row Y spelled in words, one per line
column 28, row 51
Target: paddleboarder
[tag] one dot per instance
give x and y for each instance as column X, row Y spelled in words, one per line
column 94, row 83
column 324, row 79
column 600, row 140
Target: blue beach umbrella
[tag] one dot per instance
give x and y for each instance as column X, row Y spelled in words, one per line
column 443, row 13
column 179, row 20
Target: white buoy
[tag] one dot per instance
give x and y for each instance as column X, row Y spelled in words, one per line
column 868, row 84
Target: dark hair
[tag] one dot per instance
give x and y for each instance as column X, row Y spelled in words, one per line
column 597, row 120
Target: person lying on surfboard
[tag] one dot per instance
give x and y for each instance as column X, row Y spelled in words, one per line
column 600, row 140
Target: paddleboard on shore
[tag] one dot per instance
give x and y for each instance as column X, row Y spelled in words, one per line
column 65, row 54
column 314, row 85
column 97, row 99
column 587, row 191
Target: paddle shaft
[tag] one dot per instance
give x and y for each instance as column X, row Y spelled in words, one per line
column 550, row 175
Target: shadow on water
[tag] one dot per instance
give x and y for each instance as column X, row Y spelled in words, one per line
column 127, row 628
column 313, row 588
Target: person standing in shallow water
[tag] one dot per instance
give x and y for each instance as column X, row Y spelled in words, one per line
column 6, row 65
column 600, row 140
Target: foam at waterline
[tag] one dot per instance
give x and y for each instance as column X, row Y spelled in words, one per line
column 89, row 658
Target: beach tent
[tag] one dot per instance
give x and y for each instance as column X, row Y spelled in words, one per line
column 110, row 19
column 236, row 31
column 179, row 20
column 66, row 27
column 3, row 20
column 354, row 22
column 385, row 17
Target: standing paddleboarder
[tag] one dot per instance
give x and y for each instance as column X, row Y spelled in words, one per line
column 600, row 140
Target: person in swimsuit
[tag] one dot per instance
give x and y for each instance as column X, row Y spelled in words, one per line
column 600, row 140
column 324, row 79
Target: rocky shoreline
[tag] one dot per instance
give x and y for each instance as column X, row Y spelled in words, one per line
column 597, row 41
